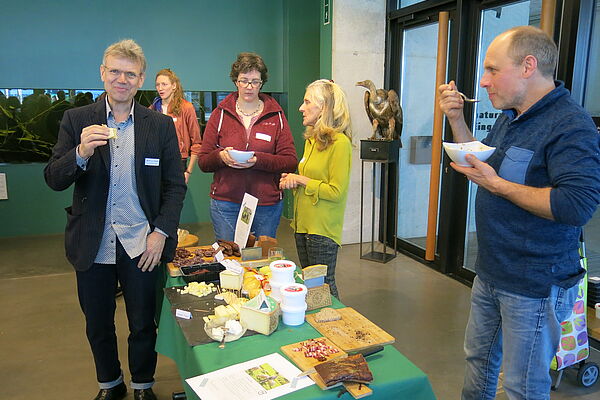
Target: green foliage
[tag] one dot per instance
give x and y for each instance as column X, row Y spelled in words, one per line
column 24, row 136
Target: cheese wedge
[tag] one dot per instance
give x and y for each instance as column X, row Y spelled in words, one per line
column 112, row 133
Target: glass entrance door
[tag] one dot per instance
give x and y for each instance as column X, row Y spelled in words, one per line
column 586, row 87
column 493, row 21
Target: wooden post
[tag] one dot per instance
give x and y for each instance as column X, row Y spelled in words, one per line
column 436, row 141
column 547, row 17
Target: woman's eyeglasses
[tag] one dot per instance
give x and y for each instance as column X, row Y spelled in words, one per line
column 246, row 83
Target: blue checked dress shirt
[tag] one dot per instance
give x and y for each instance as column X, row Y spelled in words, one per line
column 125, row 218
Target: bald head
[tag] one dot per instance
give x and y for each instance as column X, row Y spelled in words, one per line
column 529, row 40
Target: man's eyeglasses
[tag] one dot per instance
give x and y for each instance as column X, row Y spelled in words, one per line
column 246, row 83
column 115, row 73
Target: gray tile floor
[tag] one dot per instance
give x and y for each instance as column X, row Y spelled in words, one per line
column 44, row 353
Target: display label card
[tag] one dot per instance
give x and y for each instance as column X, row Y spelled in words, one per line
column 3, row 188
column 183, row 314
column 232, row 265
column 245, row 219
column 219, row 256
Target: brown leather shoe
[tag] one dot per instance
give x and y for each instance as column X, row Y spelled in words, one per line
column 144, row 394
column 114, row 393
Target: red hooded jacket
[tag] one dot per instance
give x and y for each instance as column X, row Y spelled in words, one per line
column 270, row 139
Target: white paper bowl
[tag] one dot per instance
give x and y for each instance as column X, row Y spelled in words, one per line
column 458, row 151
column 241, row 156
column 228, row 337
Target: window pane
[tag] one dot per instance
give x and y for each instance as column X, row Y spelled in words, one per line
column 591, row 100
column 419, row 53
column 406, row 3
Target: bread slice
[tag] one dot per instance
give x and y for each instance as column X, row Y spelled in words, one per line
column 327, row 315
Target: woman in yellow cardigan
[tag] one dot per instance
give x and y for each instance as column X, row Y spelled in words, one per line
column 321, row 184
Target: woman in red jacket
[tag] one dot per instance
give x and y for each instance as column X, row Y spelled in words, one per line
column 172, row 103
column 247, row 120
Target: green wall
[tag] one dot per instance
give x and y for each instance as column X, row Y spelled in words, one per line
column 326, row 41
column 301, row 67
column 61, row 43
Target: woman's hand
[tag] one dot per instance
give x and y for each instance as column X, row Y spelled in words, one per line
column 225, row 157
column 248, row 164
column 230, row 162
column 292, row 181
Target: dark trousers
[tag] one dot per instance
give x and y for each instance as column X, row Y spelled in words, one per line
column 96, row 290
column 317, row 249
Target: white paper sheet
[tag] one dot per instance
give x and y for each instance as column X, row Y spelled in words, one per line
column 263, row 378
column 244, row 220
column 3, row 188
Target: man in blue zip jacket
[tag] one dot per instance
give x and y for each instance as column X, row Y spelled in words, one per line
column 537, row 190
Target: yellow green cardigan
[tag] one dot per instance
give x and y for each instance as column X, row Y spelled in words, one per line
column 319, row 207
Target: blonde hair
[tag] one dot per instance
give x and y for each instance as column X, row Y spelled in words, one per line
column 126, row 48
column 335, row 116
column 177, row 100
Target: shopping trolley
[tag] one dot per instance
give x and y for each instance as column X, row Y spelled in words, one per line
column 574, row 347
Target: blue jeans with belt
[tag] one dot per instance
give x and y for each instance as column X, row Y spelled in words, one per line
column 316, row 249
column 518, row 332
column 224, row 218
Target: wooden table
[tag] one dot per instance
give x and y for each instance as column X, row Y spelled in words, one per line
column 395, row 377
column 593, row 324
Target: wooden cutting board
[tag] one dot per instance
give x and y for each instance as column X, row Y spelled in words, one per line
column 353, row 332
column 305, row 363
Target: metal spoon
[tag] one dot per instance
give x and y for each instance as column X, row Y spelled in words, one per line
column 465, row 98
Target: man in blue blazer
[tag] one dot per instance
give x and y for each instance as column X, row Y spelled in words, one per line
column 124, row 161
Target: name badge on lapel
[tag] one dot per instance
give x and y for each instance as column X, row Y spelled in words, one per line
column 152, row 162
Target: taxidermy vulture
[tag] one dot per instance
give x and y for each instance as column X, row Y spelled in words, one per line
column 384, row 111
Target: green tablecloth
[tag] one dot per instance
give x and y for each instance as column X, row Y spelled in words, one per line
column 395, row 377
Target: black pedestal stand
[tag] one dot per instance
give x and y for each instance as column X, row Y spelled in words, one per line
column 383, row 153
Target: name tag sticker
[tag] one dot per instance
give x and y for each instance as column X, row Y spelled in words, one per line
column 152, row 162
column 263, row 136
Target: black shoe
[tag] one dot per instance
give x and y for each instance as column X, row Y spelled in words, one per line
column 144, row 394
column 114, row 393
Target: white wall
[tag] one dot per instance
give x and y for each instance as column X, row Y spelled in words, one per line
column 358, row 53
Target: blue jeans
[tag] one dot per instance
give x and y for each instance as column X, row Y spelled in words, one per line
column 317, row 249
column 224, row 217
column 521, row 333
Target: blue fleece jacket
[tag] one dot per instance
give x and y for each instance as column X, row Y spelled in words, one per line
column 553, row 144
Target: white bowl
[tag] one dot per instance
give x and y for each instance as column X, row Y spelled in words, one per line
column 241, row 156
column 458, row 151
column 208, row 328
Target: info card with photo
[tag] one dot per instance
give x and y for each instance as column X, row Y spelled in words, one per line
column 244, row 220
